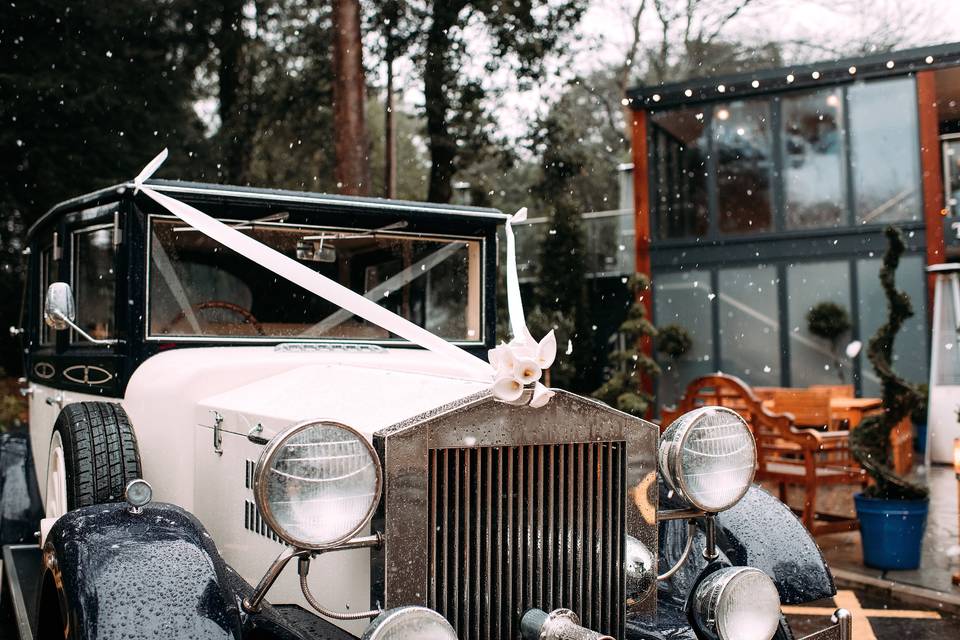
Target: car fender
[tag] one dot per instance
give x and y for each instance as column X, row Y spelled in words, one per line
column 762, row 532
column 152, row 574
column 20, row 506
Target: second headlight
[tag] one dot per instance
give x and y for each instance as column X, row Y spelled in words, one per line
column 708, row 456
column 317, row 484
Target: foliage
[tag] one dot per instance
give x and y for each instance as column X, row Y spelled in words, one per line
column 561, row 293
column 673, row 341
column 870, row 441
column 440, row 33
column 828, row 320
column 624, row 389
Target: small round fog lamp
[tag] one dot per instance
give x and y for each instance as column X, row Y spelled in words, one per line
column 318, row 484
column 138, row 493
column 410, row 623
column 737, row 603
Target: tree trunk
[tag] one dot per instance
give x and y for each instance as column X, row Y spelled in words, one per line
column 349, row 101
column 229, row 42
column 389, row 128
column 437, row 84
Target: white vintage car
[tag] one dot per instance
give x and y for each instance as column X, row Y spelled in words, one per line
column 198, row 421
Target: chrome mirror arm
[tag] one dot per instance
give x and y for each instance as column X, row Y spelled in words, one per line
column 83, row 334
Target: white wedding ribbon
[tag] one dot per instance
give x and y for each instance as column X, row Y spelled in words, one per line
column 518, row 325
column 348, row 299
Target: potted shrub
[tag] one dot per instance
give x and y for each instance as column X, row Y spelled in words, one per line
column 830, row 321
column 892, row 510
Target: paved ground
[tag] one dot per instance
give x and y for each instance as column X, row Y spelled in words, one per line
column 941, row 545
column 876, row 618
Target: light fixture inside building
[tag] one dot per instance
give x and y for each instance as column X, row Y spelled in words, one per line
column 723, row 114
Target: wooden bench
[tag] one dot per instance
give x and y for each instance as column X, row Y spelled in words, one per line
column 786, row 454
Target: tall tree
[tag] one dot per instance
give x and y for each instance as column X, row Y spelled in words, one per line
column 349, row 101
column 229, row 40
column 521, row 34
column 89, row 91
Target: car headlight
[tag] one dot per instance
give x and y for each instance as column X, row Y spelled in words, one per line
column 737, row 603
column 708, row 456
column 410, row 623
column 317, row 484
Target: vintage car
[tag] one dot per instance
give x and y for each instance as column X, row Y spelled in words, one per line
column 198, row 422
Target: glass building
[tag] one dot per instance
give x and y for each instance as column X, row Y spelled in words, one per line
column 758, row 196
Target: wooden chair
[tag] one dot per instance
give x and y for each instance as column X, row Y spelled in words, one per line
column 836, row 390
column 810, row 408
column 786, row 454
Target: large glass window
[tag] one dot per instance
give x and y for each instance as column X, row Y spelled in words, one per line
column 910, row 352
column 813, row 159
column 812, row 358
column 94, row 281
column 885, row 150
column 743, row 146
column 750, row 324
column 684, row 298
column 679, row 195
column 198, row 288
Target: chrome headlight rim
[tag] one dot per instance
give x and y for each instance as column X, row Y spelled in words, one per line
column 380, row 624
column 671, row 450
column 265, row 464
column 709, row 594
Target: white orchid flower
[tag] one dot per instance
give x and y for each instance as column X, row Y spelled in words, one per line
column 507, row 388
column 526, row 370
column 541, row 395
column 547, row 350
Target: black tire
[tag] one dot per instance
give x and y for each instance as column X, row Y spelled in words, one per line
column 99, row 450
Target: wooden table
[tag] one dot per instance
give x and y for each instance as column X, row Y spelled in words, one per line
column 853, row 410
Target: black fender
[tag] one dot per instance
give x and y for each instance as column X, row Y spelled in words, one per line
column 762, row 532
column 20, row 506
column 111, row 573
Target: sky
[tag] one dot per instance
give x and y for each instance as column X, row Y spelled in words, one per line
column 827, row 27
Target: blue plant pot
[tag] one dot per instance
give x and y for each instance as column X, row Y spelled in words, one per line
column 920, row 437
column 891, row 531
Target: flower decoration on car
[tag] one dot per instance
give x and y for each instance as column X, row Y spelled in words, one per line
column 521, row 363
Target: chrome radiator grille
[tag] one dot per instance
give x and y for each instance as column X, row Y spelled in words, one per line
column 526, row 526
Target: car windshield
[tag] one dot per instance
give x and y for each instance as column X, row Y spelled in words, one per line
column 199, row 288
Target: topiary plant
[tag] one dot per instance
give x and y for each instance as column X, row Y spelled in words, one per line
column 673, row 341
column 870, row 441
column 624, row 388
column 828, row 320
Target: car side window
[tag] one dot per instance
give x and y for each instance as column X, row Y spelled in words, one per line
column 94, row 281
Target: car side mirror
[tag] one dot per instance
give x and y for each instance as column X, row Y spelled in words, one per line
column 59, row 310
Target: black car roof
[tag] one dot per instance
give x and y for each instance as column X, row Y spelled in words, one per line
column 199, row 191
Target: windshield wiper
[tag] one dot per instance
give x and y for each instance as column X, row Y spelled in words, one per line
column 343, row 235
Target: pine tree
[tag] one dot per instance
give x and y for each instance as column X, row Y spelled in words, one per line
column 624, row 389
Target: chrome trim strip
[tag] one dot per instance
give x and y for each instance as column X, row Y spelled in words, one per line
column 321, row 200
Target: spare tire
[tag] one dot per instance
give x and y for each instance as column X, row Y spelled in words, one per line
column 100, row 453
